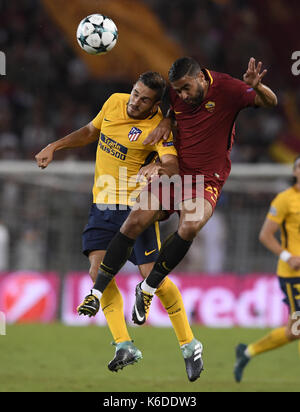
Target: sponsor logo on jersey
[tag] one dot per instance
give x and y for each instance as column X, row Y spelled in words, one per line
column 112, row 144
column 167, row 144
column 134, row 134
column 112, row 147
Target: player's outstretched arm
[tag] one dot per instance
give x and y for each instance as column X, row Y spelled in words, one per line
column 265, row 97
column 81, row 137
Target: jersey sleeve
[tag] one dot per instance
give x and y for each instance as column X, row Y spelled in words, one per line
column 166, row 147
column 278, row 209
column 97, row 121
column 243, row 95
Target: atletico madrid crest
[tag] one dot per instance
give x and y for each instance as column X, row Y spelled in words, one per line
column 134, row 134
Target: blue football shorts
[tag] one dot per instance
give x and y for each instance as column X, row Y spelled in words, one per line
column 104, row 223
column 291, row 290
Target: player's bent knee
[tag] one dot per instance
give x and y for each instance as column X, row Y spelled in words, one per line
column 133, row 226
column 189, row 230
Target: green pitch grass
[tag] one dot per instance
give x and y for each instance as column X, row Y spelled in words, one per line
column 58, row 358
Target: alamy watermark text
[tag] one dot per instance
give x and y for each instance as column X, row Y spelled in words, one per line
column 296, row 325
column 296, row 64
column 2, row 324
column 2, row 63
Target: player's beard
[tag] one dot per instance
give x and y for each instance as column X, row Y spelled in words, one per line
column 136, row 113
column 199, row 97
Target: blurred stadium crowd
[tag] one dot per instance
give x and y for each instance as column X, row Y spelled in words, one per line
column 59, row 96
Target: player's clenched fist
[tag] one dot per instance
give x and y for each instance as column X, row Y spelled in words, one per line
column 44, row 157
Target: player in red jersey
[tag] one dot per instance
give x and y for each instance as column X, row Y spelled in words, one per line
column 205, row 105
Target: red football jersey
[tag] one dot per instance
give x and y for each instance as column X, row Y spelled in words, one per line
column 206, row 132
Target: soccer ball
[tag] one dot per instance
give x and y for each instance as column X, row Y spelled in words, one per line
column 97, row 34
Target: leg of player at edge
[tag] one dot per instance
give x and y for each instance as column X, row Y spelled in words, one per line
column 275, row 339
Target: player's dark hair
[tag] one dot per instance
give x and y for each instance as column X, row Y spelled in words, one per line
column 182, row 67
column 155, row 82
column 294, row 179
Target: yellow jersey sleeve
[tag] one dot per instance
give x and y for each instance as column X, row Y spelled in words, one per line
column 166, row 147
column 279, row 209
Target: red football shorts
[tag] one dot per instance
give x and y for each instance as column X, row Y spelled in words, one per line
column 172, row 192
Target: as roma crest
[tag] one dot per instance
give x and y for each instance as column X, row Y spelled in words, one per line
column 210, row 106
